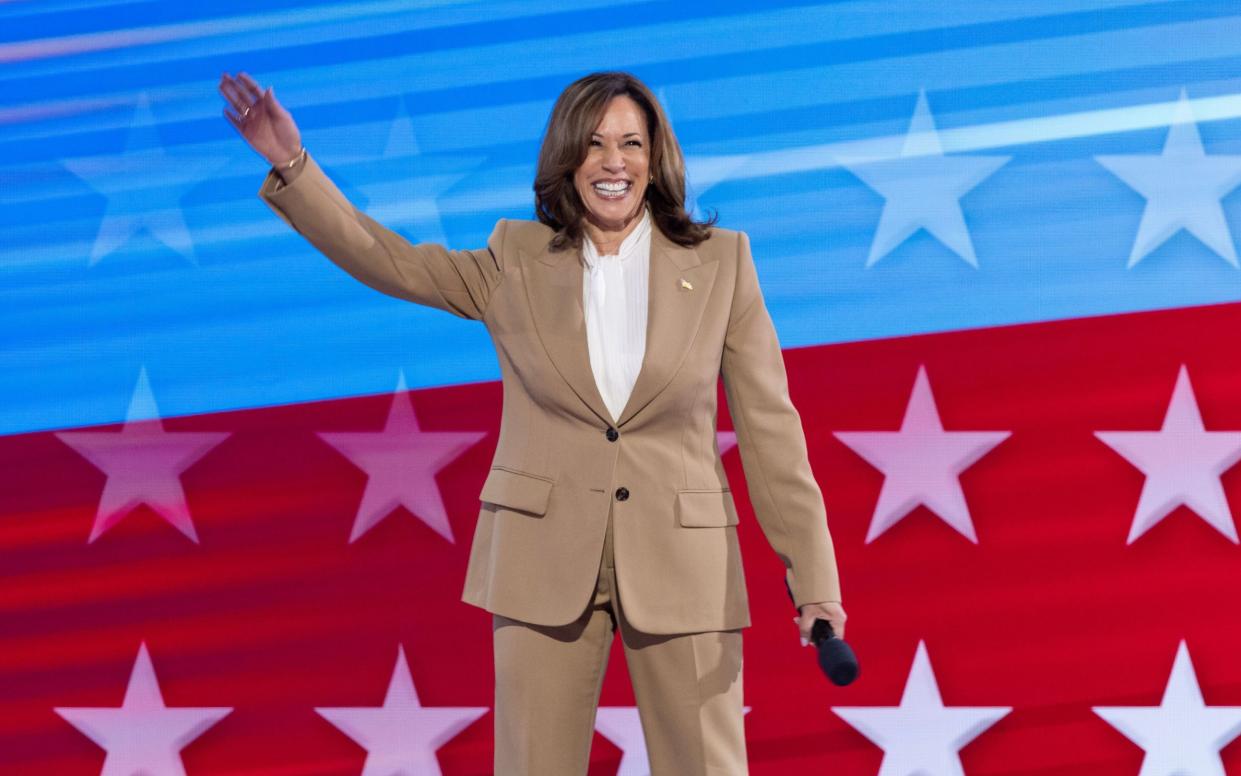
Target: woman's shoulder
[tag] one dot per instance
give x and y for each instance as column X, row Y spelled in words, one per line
column 524, row 235
column 721, row 242
column 720, row 234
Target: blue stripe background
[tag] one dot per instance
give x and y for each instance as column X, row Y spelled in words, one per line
column 256, row 318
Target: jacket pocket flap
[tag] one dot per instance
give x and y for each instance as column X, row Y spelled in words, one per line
column 517, row 490
column 706, row 508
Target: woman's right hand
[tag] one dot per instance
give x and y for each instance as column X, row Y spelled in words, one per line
column 260, row 119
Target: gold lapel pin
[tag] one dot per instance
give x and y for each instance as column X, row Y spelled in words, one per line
column 686, row 285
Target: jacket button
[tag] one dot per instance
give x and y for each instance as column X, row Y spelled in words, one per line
column 622, row 494
column 612, row 434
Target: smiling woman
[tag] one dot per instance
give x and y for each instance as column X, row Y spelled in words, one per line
column 612, row 181
column 609, row 140
column 614, row 316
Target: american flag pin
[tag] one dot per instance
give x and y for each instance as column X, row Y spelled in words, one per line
column 686, row 285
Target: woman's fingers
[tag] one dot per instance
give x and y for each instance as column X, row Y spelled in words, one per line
column 251, row 87
column 233, row 94
column 234, row 120
column 276, row 108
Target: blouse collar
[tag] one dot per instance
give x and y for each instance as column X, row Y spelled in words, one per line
column 628, row 247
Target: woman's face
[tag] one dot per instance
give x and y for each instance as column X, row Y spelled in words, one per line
column 612, row 181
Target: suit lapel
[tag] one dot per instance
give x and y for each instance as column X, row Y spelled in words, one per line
column 554, row 290
column 673, row 317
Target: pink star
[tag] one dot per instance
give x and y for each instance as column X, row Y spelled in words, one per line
column 921, row 735
column 1182, row 462
column 143, row 736
column 402, row 461
column 402, row 736
column 921, row 463
column 143, row 463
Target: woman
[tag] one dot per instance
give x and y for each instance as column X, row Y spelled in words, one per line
column 606, row 504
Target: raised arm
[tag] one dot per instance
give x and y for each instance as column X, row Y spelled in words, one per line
column 297, row 189
column 786, row 499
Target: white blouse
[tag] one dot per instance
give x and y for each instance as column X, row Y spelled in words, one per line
column 614, row 300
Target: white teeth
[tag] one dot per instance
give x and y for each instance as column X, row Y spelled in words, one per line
column 612, row 190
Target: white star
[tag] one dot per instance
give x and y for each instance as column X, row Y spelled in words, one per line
column 402, row 736
column 401, row 463
column 1182, row 736
column 144, row 186
column 143, row 737
column 1182, row 463
column 921, row 463
column 922, row 188
column 623, row 727
column 143, row 462
column 1183, row 187
column 703, row 172
column 922, row 736
column 407, row 195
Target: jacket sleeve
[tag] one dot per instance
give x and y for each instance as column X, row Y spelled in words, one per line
column 459, row 281
column 786, row 499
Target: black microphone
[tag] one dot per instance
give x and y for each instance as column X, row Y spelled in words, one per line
column 836, row 658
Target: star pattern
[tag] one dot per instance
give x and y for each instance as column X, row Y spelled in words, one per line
column 922, row 188
column 402, row 736
column 921, row 463
column 1183, row 187
column 408, row 196
column 143, row 463
column 704, row 172
column 401, row 463
column 143, row 185
column 1182, row 462
column 143, row 736
column 921, row 736
column 1182, row 736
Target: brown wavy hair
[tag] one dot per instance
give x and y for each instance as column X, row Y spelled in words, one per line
column 577, row 112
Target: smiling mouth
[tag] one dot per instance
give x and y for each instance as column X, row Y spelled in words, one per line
column 612, row 190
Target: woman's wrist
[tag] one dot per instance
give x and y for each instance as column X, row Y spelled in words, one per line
column 288, row 170
column 293, row 162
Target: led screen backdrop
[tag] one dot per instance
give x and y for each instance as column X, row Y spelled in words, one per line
column 997, row 240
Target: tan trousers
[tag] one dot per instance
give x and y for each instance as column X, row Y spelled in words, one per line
column 688, row 689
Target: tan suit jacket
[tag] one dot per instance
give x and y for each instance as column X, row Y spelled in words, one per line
column 562, row 461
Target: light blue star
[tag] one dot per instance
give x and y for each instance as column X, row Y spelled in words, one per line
column 1183, row 187
column 703, row 173
column 407, row 196
column 922, row 188
column 144, row 185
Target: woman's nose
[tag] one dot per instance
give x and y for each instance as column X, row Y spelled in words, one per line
column 613, row 159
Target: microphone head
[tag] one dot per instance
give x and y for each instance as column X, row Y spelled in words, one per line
column 838, row 662
column 836, row 657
